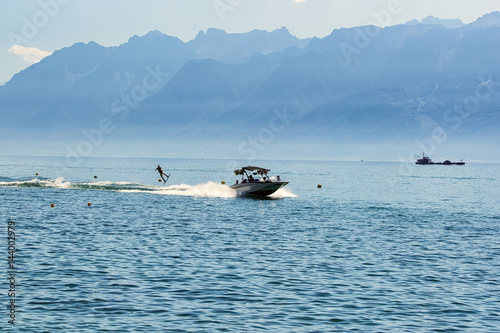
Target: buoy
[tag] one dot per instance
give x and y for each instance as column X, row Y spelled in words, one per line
column 52, row 205
column 89, row 204
column 95, row 176
column 36, row 174
column 223, row 182
column 319, row 186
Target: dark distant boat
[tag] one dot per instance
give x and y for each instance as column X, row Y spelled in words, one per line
column 427, row 160
column 260, row 185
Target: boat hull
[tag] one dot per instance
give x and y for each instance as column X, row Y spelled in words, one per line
column 427, row 161
column 257, row 188
column 441, row 163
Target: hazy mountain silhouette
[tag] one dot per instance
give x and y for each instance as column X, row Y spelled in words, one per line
column 238, row 48
column 360, row 85
column 431, row 20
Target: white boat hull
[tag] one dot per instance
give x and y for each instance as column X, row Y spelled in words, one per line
column 257, row 188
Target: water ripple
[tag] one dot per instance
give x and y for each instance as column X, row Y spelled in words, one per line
column 136, row 262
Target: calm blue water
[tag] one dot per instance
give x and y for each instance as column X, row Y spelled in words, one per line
column 375, row 249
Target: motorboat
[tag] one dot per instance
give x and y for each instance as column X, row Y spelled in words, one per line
column 256, row 182
column 426, row 160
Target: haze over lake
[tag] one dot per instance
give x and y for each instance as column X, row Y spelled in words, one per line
column 360, row 93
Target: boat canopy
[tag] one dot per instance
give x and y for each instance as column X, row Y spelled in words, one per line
column 254, row 168
column 250, row 168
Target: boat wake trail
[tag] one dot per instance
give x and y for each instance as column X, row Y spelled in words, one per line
column 209, row 189
column 283, row 193
column 60, row 183
column 37, row 182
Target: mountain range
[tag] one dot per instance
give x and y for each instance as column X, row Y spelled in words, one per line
column 363, row 92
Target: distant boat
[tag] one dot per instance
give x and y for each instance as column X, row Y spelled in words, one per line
column 426, row 160
column 261, row 185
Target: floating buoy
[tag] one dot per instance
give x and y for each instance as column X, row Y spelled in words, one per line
column 89, row 204
column 223, row 182
column 95, row 176
column 319, row 186
column 52, row 205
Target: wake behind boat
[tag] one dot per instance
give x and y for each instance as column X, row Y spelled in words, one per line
column 261, row 185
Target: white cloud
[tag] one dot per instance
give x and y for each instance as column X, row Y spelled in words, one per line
column 29, row 54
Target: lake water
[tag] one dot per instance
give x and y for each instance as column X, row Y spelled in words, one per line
column 380, row 247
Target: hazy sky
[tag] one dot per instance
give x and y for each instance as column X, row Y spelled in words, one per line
column 32, row 29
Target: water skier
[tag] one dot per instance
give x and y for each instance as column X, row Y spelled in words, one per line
column 160, row 170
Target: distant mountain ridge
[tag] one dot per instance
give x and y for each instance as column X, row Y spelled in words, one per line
column 356, row 86
column 238, row 48
column 487, row 21
column 431, row 20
